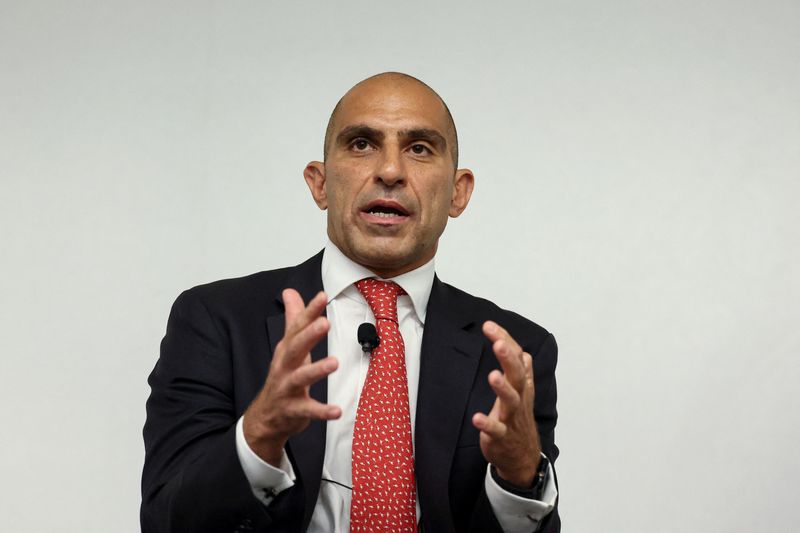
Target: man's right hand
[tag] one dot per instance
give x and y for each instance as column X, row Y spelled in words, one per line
column 284, row 407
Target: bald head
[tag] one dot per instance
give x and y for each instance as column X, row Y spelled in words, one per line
column 391, row 82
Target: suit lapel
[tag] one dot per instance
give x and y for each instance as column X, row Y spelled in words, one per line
column 307, row 448
column 449, row 362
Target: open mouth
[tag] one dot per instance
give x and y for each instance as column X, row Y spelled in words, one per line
column 386, row 210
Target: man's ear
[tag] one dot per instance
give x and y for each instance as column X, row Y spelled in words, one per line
column 314, row 173
column 462, row 191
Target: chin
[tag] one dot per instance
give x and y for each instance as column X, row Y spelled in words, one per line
column 383, row 254
column 390, row 261
column 383, row 258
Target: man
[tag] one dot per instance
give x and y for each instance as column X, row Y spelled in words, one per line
column 265, row 413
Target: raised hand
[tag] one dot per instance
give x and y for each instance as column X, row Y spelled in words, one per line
column 509, row 438
column 284, row 407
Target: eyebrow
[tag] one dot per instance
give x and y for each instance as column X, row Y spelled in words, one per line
column 358, row 130
column 426, row 134
column 362, row 130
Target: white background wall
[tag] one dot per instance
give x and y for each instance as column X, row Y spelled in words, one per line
column 637, row 192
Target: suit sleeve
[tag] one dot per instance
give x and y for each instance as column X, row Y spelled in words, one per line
column 545, row 358
column 192, row 478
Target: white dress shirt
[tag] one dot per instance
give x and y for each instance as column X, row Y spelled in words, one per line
column 346, row 310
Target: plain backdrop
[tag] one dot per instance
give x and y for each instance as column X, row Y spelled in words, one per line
column 637, row 168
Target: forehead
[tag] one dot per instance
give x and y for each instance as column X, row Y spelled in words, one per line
column 392, row 106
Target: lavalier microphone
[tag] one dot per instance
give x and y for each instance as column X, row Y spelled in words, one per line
column 368, row 337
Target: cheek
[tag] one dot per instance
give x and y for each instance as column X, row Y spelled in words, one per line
column 337, row 203
column 342, row 195
column 345, row 179
column 438, row 203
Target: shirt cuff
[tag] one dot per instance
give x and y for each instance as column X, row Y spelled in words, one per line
column 265, row 480
column 516, row 513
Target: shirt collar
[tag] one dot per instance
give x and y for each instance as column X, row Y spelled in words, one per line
column 339, row 272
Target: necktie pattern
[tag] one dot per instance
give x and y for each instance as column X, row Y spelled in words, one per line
column 384, row 489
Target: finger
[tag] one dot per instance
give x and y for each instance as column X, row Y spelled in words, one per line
column 510, row 357
column 293, row 305
column 530, row 388
column 506, row 393
column 296, row 346
column 307, row 375
column 508, row 352
column 495, row 332
column 313, row 410
column 298, row 319
column 493, row 427
column 298, row 316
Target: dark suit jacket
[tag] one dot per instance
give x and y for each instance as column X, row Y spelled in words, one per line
column 214, row 359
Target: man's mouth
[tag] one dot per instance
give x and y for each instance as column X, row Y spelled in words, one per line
column 385, row 211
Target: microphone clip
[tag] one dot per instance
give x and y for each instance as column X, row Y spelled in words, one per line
column 368, row 337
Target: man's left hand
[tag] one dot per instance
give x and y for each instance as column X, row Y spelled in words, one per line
column 509, row 438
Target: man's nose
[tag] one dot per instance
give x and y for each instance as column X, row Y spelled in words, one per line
column 390, row 168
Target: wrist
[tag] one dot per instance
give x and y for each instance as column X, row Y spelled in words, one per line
column 266, row 446
column 268, row 453
column 522, row 476
column 522, row 487
column 523, row 481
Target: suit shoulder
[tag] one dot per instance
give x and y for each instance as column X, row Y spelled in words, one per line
column 232, row 287
column 254, row 289
column 236, row 295
column 526, row 331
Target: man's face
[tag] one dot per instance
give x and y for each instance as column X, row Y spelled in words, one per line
column 389, row 181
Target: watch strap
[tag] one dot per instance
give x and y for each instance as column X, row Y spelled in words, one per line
column 534, row 492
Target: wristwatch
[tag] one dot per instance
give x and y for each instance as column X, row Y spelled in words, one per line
column 534, row 492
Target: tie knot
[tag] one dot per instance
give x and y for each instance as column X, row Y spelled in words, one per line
column 381, row 297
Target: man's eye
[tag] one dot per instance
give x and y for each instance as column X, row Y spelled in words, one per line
column 360, row 144
column 419, row 149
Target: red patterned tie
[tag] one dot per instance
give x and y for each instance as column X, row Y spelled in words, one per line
column 384, row 491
